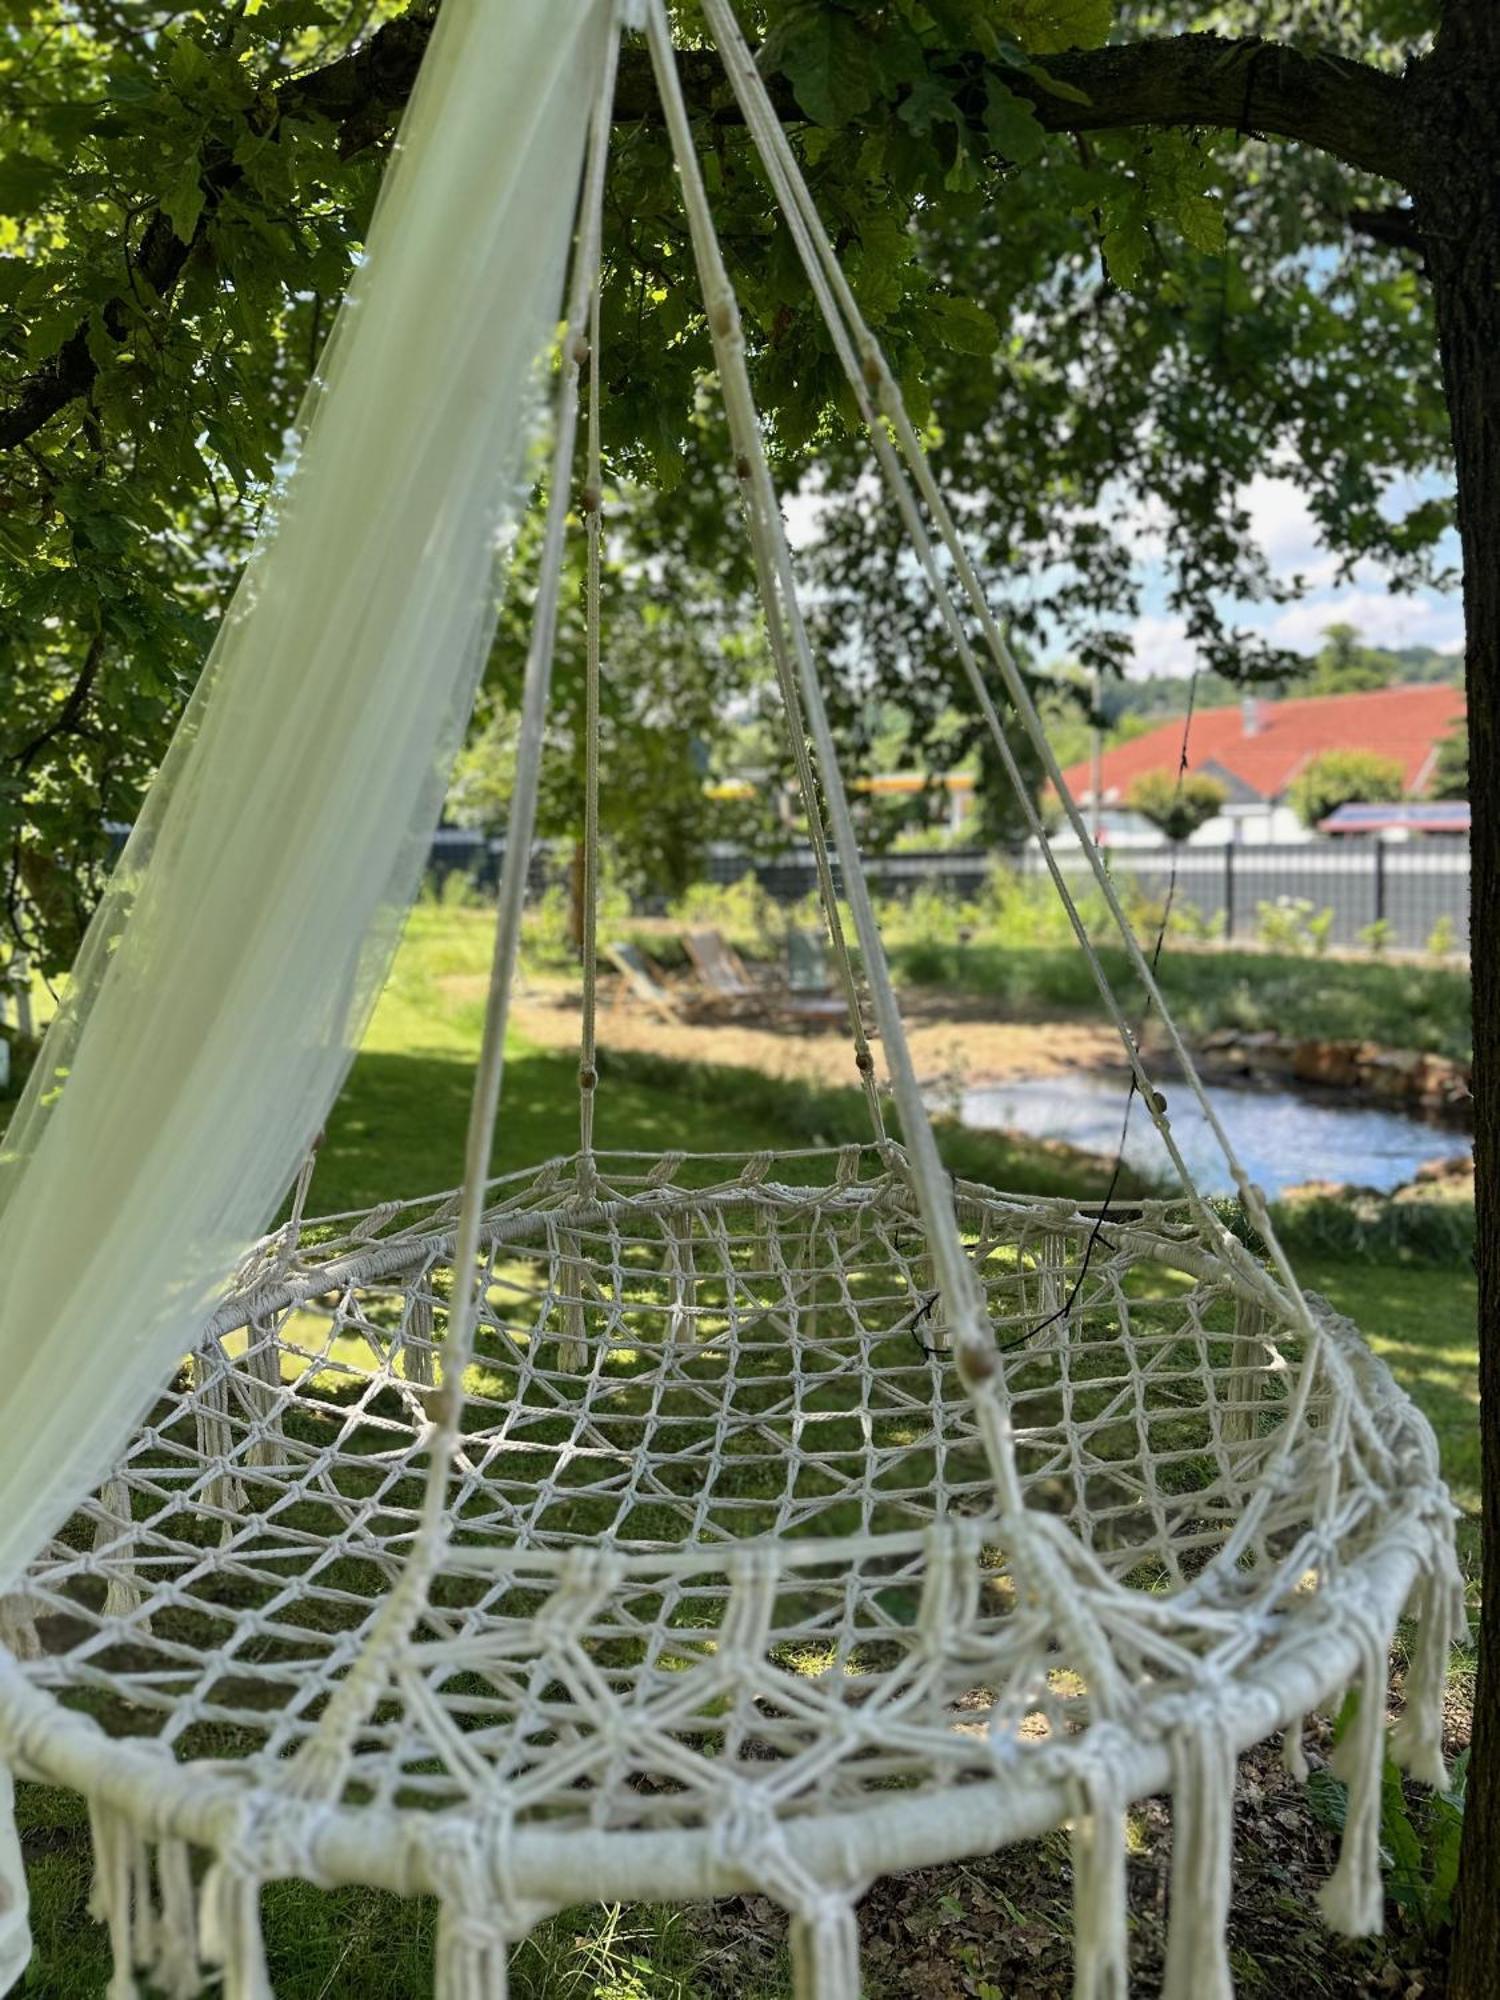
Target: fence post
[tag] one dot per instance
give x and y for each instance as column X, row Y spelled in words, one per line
column 1379, row 880
column 1228, row 890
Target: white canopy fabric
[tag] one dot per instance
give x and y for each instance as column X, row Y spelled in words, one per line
column 228, row 975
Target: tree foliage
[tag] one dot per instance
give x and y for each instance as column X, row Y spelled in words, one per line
column 1341, row 778
column 1450, row 768
column 1178, row 805
column 1103, row 331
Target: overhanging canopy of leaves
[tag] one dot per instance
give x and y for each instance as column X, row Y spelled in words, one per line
column 1107, row 329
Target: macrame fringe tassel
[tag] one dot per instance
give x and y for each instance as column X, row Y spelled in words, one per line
column 572, row 1348
column 1053, row 1259
column 825, row 1952
column 151, row 1920
column 231, row 1932
column 18, row 1633
column 1442, row 1620
column 1353, row 1898
column 1293, row 1750
column 222, row 1490
column 472, row 1961
column 1101, row 1943
column 175, row 1966
column 1203, row 1762
column 682, row 1267
column 112, row 1532
column 416, row 1350
column 260, row 1373
column 1246, row 1377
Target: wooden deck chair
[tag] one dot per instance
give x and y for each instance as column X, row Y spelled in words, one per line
column 721, row 971
column 725, row 981
column 641, row 981
column 807, row 963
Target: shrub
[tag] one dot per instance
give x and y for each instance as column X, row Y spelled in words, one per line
column 1378, row 937
column 1342, row 778
column 1293, row 924
column 1442, row 939
column 742, row 911
column 1180, row 805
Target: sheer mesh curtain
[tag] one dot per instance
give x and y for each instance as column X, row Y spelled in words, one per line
column 230, row 971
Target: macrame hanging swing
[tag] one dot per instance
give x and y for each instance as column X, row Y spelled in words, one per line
column 634, row 1527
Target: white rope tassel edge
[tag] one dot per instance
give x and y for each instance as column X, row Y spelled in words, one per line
column 1203, row 1765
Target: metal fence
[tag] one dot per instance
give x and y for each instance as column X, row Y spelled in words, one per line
column 1417, row 889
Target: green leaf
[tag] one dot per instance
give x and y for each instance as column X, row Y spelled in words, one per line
column 1201, row 220
column 827, row 58
column 189, row 66
column 1048, row 26
column 926, row 104
column 182, row 201
column 964, row 326
column 50, row 328
column 25, row 183
column 1012, row 125
column 1127, row 250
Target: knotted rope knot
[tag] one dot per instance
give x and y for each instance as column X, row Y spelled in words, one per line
column 746, row 1835
column 755, row 1169
column 587, row 1578
column 480, row 1913
column 950, row 1584
column 470, row 1862
column 1045, row 1563
column 751, row 1839
column 376, row 1220
column 847, row 1171
column 724, row 317
column 257, row 1836
column 664, row 1169
column 754, row 1578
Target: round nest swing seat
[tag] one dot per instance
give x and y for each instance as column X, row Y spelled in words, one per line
column 727, row 1600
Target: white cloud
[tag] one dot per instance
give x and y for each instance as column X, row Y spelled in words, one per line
column 1381, row 617
column 1162, row 646
column 1282, row 523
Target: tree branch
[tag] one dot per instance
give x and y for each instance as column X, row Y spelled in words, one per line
column 1344, row 108
column 1348, row 109
column 1396, row 227
column 70, row 715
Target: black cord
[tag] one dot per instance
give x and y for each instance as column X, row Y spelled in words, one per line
column 1064, row 1311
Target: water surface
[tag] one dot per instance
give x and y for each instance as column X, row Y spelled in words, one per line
column 1281, row 1136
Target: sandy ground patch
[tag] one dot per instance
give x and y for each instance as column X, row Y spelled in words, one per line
column 950, row 1038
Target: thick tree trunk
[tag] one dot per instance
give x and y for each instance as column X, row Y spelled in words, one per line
column 1460, row 215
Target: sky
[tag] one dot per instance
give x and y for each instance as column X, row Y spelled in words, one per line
column 1288, row 534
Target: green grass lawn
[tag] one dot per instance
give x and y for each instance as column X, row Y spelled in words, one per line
column 398, row 1130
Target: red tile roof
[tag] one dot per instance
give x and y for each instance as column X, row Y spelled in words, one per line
column 1405, row 723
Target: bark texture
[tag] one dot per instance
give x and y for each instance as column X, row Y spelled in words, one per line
column 1455, row 113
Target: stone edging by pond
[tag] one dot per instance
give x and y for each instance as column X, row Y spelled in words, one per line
column 1435, row 1084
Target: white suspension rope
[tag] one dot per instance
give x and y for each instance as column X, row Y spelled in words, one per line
column 955, row 1276
column 868, row 370
column 593, row 509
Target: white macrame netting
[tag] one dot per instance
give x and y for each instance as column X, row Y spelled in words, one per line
column 671, row 1526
